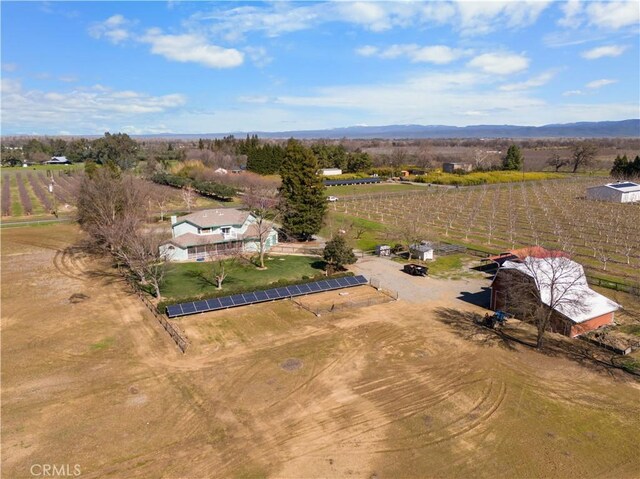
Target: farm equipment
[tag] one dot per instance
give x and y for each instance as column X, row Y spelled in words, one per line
column 415, row 269
column 499, row 318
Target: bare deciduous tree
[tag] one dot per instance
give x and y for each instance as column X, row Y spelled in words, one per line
column 583, row 155
column 188, row 196
column 261, row 200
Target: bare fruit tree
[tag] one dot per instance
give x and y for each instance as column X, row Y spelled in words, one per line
column 188, row 196
column 261, row 200
column 219, row 268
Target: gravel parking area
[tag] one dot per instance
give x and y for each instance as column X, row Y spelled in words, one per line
column 417, row 289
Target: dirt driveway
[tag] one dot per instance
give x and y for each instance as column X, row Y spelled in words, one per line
column 416, row 289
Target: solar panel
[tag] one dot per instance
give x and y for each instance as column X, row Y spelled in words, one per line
column 226, row 302
column 249, row 298
column 293, row 290
column 261, row 296
column 237, row 299
column 623, row 185
column 283, row 292
column 201, row 306
column 174, row 310
column 188, row 308
column 272, row 294
column 215, row 304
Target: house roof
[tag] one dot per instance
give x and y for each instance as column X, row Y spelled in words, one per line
column 191, row 239
column 623, row 187
column 422, row 247
column 215, row 217
column 579, row 303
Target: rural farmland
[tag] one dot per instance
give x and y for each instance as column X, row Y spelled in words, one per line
column 392, row 390
column 602, row 236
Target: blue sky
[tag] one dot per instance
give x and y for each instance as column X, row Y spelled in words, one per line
column 198, row 67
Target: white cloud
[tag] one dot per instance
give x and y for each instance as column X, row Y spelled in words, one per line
column 572, row 14
column 477, row 18
column 367, row 51
column 614, row 15
column 258, row 56
column 191, row 48
column 604, row 15
column 604, row 51
column 278, row 18
column 9, row 67
column 500, row 63
column 600, row 83
column 79, row 109
column 115, row 29
column 533, row 82
column 438, row 54
column 573, row 93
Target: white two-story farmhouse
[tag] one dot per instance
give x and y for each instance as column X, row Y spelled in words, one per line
column 218, row 232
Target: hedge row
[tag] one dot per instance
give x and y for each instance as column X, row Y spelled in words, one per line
column 162, row 305
column 207, row 188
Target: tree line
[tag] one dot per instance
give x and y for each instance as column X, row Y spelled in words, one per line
column 270, row 158
column 118, row 148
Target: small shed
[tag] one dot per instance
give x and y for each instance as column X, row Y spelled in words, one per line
column 330, row 171
column 383, row 250
column 620, row 192
column 451, row 167
column 422, row 251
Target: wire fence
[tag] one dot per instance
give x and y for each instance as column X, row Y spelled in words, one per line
column 170, row 328
column 320, row 309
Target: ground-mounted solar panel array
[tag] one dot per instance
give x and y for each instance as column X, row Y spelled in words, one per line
column 215, row 304
column 356, row 181
column 623, row 185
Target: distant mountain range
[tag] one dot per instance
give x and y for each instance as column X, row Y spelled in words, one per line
column 597, row 129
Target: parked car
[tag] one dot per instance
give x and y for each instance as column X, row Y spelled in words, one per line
column 415, row 269
column 332, row 198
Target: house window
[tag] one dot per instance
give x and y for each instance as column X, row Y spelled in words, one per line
column 225, row 230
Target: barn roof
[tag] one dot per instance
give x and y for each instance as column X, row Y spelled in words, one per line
column 560, row 277
column 624, row 187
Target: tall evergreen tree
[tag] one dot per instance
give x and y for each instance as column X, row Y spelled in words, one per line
column 514, row 158
column 302, row 197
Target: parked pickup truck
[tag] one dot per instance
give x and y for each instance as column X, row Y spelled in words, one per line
column 415, row 269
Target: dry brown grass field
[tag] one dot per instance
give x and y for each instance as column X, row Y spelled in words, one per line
column 395, row 390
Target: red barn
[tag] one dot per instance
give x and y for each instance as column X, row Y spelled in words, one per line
column 560, row 284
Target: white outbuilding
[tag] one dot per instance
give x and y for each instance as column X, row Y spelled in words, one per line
column 620, row 192
column 422, row 251
column 330, row 171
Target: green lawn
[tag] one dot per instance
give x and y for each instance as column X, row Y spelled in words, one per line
column 351, row 190
column 371, row 233
column 185, row 280
column 13, row 169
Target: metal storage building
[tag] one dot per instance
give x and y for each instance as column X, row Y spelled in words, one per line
column 621, row 192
